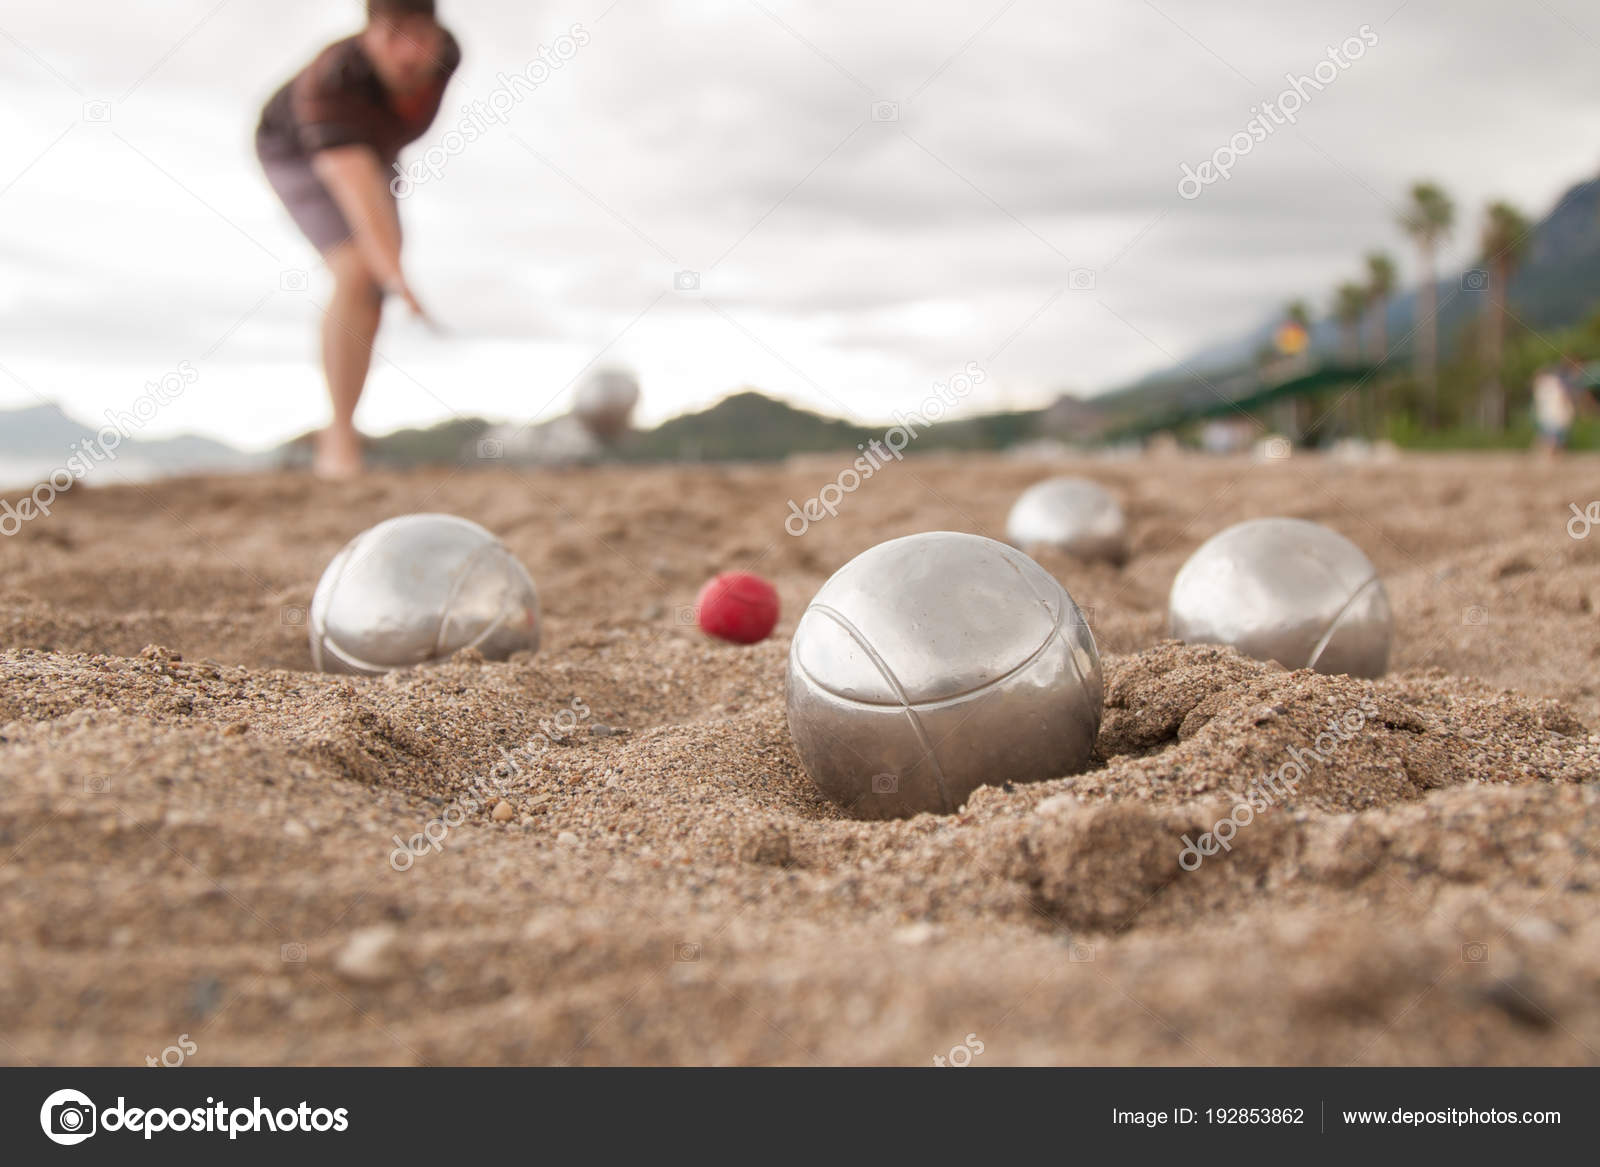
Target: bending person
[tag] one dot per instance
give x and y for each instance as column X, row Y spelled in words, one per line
column 328, row 141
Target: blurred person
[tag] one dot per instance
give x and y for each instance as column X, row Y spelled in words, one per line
column 1555, row 404
column 328, row 141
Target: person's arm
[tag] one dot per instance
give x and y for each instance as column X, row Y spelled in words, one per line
column 359, row 185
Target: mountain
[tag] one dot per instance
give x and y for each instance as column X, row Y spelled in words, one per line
column 752, row 427
column 40, row 440
column 746, row 427
column 28, row 431
column 1559, row 283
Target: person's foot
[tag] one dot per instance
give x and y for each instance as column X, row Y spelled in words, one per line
column 338, row 454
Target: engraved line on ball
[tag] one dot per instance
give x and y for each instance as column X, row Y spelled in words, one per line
column 458, row 580
column 352, row 660
column 319, row 618
column 932, row 702
column 462, row 576
column 1090, row 716
column 1333, row 626
column 917, row 727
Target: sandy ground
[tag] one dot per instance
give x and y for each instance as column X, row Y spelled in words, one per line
column 196, row 833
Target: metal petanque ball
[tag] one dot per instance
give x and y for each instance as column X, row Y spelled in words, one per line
column 605, row 403
column 419, row 588
column 1289, row 591
column 1072, row 515
column 931, row 665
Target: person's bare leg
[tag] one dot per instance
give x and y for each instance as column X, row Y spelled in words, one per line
column 349, row 327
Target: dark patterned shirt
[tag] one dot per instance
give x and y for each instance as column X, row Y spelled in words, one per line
column 338, row 100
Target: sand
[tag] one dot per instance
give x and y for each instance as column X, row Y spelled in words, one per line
column 198, row 835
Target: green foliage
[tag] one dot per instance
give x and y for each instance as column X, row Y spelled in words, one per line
column 1430, row 214
column 1517, row 436
column 1506, row 233
column 1460, row 381
column 1381, row 275
column 1350, row 303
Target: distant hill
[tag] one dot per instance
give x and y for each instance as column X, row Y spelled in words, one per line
column 753, row 427
column 1559, row 283
column 38, row 440
column 746, row 427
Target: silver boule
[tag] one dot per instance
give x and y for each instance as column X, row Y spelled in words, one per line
column 931, row 665
column 419, row 588
column 1072, row 515
column 605, row 403
column 1286, row 590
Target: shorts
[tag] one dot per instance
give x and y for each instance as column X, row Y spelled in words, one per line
column 309, row 203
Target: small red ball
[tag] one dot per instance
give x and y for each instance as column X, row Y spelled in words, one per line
column 737, row 606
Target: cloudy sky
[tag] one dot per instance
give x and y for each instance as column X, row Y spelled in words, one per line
column 872, row 195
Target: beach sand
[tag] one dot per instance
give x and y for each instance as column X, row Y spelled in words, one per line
column 198, row 835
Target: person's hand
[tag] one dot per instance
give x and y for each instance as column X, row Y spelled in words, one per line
column 398, row 287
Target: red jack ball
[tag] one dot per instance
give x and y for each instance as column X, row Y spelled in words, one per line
column 737, row 606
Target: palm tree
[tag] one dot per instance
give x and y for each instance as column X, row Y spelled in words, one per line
column 1505, row 241
column 1427, row 220
column 1380, row 286
column 1298, row 312
column 1382, row 276
column 1350, row 309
